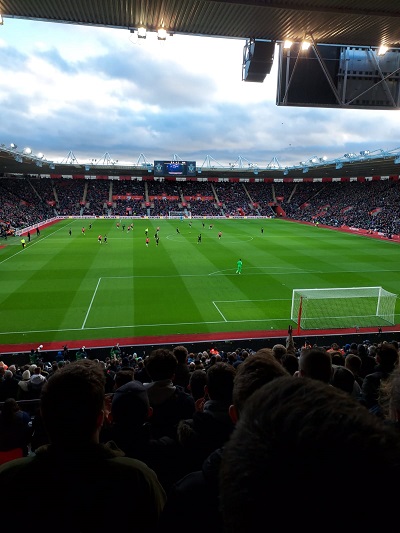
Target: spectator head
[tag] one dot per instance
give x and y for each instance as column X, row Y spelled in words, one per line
column 123, row 376
column 26, row 375
column 337, row 358
column 130, row 405
column 220, row 382
column 8, row 375
column 387, row 357
column 395, row 344
column 362, row 350
column 291, row 363
column 353, row 362
column 10, row 407
column 161, row 364
column 253, row 373
column 197, row 382
column 316, row 364
column 289, row 435
column 343, row 379
column 279, row 351
column 354, row 347
column 72, row 403
column 181, row 353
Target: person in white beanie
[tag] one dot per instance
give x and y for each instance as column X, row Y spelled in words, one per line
column 23, row 386
column 36, row 382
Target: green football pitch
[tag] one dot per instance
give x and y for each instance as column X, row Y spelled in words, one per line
column 64, row 287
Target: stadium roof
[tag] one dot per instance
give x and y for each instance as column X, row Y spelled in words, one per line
column 351, row 22
column 341, row 22
column 377, row 163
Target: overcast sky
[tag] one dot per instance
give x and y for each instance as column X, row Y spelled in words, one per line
column 96, row 92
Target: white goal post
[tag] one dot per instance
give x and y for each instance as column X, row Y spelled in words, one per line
column 343, row 307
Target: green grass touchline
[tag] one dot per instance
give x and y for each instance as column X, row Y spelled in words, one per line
column 69, row 287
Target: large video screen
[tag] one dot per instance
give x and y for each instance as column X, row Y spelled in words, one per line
column 174, row 168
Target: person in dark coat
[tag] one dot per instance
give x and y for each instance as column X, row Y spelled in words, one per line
column 203, row 485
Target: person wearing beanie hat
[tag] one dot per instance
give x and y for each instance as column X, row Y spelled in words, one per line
column 23, row 386
column 36, row 382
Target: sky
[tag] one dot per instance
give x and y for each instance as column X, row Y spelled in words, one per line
column 101, row 94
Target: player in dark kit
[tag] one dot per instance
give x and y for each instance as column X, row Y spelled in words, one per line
column 199, row 238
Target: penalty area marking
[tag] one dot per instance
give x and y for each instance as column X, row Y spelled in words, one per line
column 215, row 302
column 276, row 271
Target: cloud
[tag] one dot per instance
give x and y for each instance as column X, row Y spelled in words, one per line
column 92, row 91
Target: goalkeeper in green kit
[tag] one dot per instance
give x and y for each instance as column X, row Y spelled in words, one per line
column 239, row 267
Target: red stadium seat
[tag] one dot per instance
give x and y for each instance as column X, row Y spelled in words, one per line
column 9, row 455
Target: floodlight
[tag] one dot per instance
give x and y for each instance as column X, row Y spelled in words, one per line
column 40, row 155
column 27, row 151
column 162, row 34
column 13, row 146
column 382, row 50
column 287, row 45
column 305, row 45
column 141, row 32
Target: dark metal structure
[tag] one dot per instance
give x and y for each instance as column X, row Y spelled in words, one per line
column 351, row 22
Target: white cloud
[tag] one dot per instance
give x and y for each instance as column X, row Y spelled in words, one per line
column 92, row 90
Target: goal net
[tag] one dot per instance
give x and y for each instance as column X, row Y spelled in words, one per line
column 179, row 214
column 343, row 308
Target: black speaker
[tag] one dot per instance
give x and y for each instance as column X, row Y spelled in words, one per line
column 258, row 57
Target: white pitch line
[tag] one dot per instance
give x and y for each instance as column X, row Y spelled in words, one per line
column 267, row 300
column 91, row 302
column 32, row 244
column 217, row 308
column 134, row 326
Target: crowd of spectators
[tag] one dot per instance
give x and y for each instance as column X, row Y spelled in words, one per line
column 230, row 429
column 371, row 205
column 235, row 199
